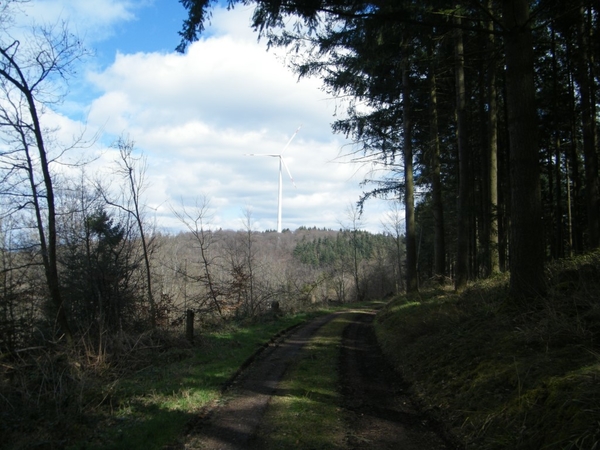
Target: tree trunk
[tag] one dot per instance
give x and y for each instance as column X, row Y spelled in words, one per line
column 558, row 246
column 462, row 251
column 47, row 239
column 577, row 197
column 493, row 256
column 527, row 237
column 585, row 82
column 412, row 284
column 439, row 246
column 136, row 187
column 53, row 285
column 399, row 261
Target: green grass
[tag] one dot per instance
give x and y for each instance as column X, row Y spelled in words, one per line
column 504, row 375
column 150, row 408
column 499, row 374
column 141, row 398
column 308, row 415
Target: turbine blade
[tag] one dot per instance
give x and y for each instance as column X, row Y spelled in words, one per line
column 291, row 139
column 288, row 171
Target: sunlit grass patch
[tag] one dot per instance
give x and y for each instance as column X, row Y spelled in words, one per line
column 308, row 414
column 149, row 408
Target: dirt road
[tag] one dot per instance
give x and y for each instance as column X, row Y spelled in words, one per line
column 378, row 410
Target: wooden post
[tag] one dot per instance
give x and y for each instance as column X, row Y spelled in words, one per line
column 189, row 325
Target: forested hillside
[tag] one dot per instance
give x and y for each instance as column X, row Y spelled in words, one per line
column 239, row 274
column 482, row 116
column 218, row 275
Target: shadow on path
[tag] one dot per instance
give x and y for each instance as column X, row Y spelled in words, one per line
column 376, row 404
column 232, row 425
column 378, row 408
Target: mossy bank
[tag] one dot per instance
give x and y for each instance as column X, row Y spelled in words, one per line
column 505, row 374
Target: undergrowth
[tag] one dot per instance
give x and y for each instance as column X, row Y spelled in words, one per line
column 134, row 392
column 501, row 374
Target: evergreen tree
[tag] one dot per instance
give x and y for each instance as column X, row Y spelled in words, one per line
column 393, row 57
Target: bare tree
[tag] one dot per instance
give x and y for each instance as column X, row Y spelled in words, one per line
column 393, row 225
column 196, row 222
column 353, row 226
column 33, row 75
column 17, row 304
column 249, row 255
column 133, row 172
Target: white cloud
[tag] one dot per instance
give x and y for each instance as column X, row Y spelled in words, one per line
column 93, row 19
column 196, row 115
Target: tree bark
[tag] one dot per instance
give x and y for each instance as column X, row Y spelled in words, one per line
column 527, row 237
column 493, row 256
column 464, row 191
column 436, row 184
column 47, row 232
column 576, row 184
column 558, row 248
column 412, row 284
column 135, row 189
column 585, row 81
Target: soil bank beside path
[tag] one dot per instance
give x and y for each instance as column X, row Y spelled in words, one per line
column 376, row 406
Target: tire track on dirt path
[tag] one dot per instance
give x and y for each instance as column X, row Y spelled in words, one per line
column 376, row 405
column 232, row 425
column 379, row 411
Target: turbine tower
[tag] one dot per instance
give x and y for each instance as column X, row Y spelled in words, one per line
column 281, row 165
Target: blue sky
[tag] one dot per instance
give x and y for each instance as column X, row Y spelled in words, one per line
column 153, row 27
column 195, row 115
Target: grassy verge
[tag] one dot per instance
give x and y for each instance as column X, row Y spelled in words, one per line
column 147, row 405
column 140, row 397
column 308, row 415
column 505, row 375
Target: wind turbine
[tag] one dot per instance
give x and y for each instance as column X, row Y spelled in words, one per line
column 281, row 164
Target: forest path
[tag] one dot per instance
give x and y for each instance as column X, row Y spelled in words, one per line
column 378, row 409
column 376, row 406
